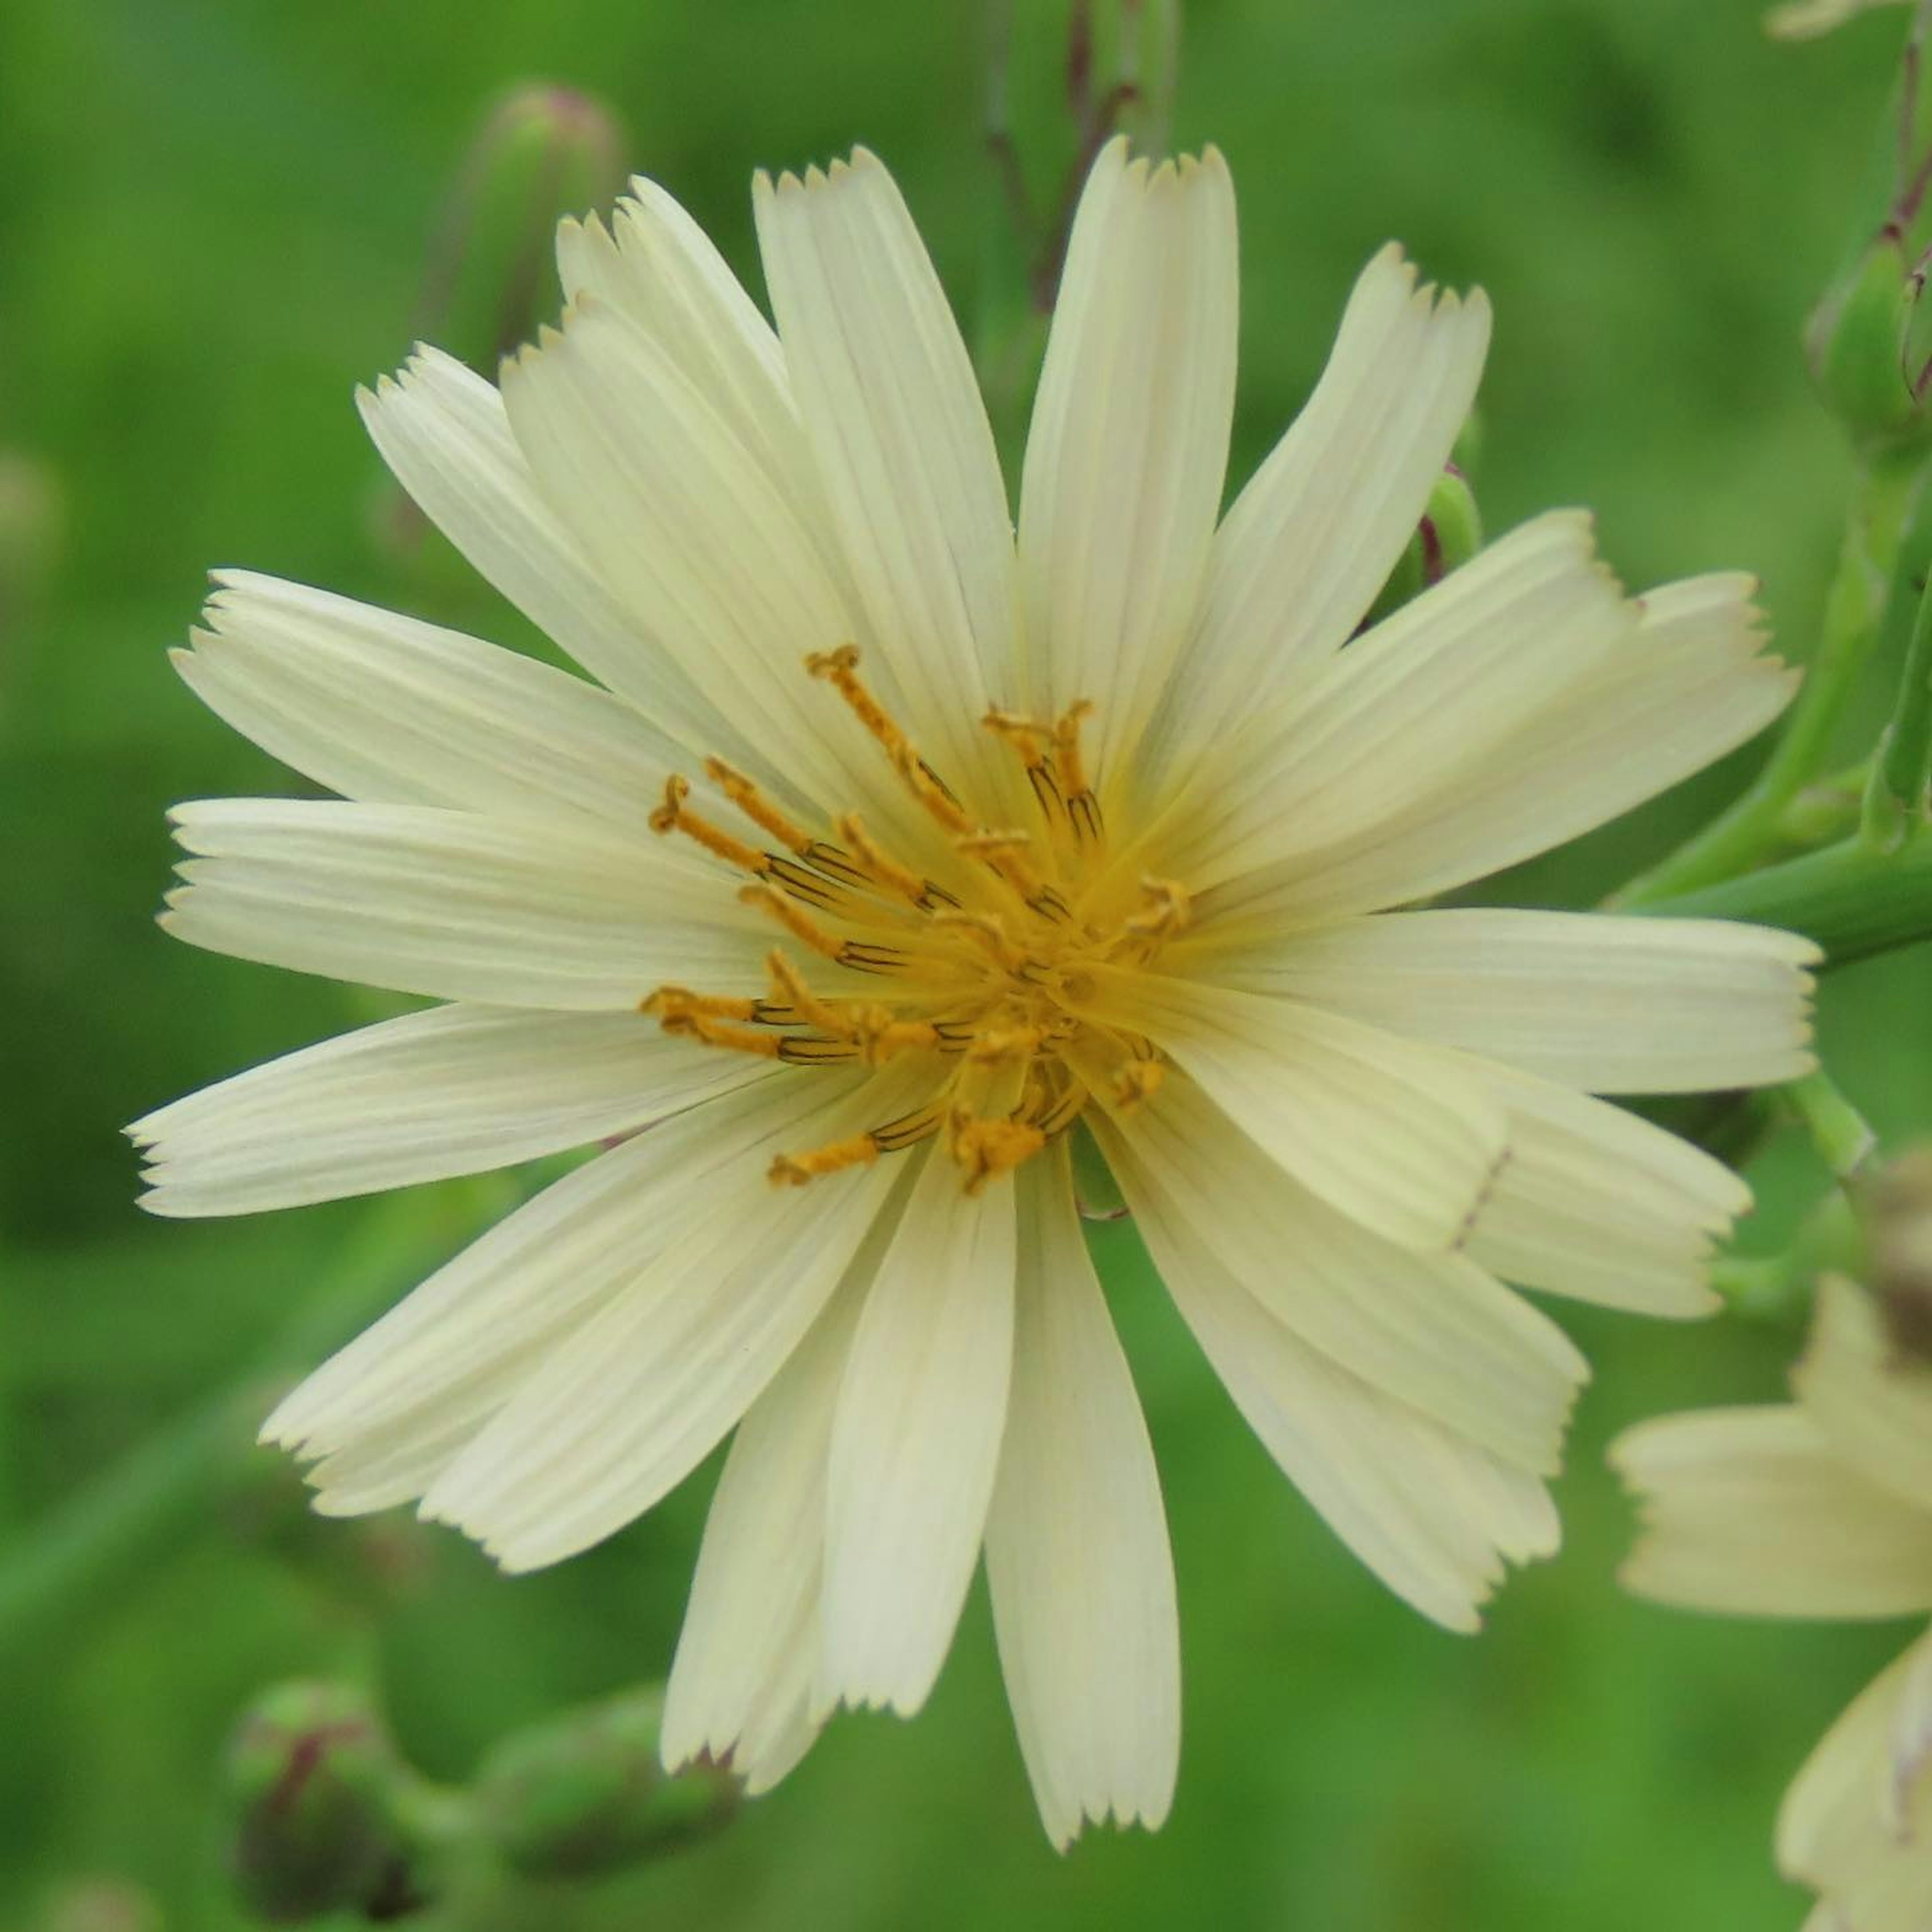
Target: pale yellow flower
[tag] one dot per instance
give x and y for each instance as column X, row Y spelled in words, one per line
column 918, row 839
column 1821, row 1508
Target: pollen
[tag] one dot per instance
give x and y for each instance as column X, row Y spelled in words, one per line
column 988, row 968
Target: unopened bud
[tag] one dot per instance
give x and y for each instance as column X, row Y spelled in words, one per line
column 1449, row 533
column 1897, row 1206
column 587, row 1794
column 543, row 151
column 312, row 1782
column 1860, row 345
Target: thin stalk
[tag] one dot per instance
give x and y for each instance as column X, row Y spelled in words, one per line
column 1895, row 799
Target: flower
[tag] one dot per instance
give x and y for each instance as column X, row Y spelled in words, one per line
column 916, row 841
column 1818, row 1508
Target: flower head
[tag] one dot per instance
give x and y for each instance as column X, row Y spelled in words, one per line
column 891, row 843
column 1819, row 1508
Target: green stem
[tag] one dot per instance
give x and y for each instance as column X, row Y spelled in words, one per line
column 1741, row 835
column 1852, row 901
column 1839, row 1132
column 133, row 1512
column 1895, row 801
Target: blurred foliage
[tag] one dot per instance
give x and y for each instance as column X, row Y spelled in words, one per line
column 214, row 219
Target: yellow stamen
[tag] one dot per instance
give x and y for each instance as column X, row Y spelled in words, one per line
column 1138, row 1080
column 745, row 794
column 987, row 1149
column 794, row 1170
column 1066, row 745
column 878, row 865
column 673, row 815
column 1007, row 1043
column 1168, row 910
column 986, row 932
column 806, row 1004
column 680, row 1002
column 718, row 1033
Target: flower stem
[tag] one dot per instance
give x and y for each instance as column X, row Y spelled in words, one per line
column 1854, row 901
column 1895, row 799
column 1839, row 1132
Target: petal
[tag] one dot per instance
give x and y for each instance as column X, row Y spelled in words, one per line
column 457, row 1090
column 656, row 267
column 905, row 454
column 1431, row 1514
column 1845, row 1827
column 696, row 540
column 916, row 1442
column 1597, row 1204
column 1875, row 1406
column 1313, row 537
column 381, row 708
column 1396, row 1135
column 1688, row 688
column 450, row 1352
column 442, row 431
column 1431, row 1331
column 1077, row 1553
column 1128, row 449
column 742, row 1680
column 1614, row 1006
column 1405, row 718
column 1750, row 1511
column 631, row 1403
column 454, row 906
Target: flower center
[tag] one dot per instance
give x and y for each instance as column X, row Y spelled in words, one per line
column 993, row 975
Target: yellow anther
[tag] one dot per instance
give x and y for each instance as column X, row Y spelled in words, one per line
column 794, row 1170
column 745, row 794
column 839, row 668
column 926, row 787
column 718, row 1033
column 881, row 1037
column 1007, row 1043
column 679, row 1002
column 1138, row 1080
column 1026, row 735
column 878, row 864
column 987, row 1149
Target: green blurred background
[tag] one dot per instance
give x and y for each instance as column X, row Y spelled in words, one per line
column 215, row 219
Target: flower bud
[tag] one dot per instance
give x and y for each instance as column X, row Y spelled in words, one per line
column 1449, row 533
column 1860, row 345
column 586, row 1794
column 311, row 1781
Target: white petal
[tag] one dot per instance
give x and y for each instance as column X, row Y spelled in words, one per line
column 1407, row 716
column 1433, row 1330
column 1613, row 1006
column 1394, row 1134
column 696, row 540
column 455, row 906
column 1845, row 1828
column 1432, row 1515
column 916, row 1442
column 457, row 1090
column 1128, row 448
column 1314, row 535
column 1595, row 1203
column 659, row 269
column 381, row 708
column 451, row 1352
column 443, row 431
column 742, row 1680
column 1077, row 1552
column 628, row 1405
column 1750, row 1510
column 1874, row 1404
column 905, row 454
column 1688, row 688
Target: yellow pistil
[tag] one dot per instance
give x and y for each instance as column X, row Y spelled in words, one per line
column 992, row 979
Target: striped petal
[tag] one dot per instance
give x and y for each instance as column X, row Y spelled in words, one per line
column 457, row 1090
column 454, row 906
column 1313, row 536
column 1394, row 1134
column 381, row 708
column 916, row 1442
column 1077, row 1552
column 904, row 454
column 1613, row 1006
column 1128, row 449
column 1751, row 1511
